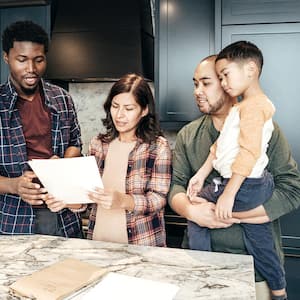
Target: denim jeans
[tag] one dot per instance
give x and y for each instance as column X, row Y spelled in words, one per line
column 258, row 238
column 48, row 223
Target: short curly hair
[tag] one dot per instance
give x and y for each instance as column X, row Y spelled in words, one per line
column 24, row 31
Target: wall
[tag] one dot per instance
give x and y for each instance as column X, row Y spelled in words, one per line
column 89, row 99
column 8, row 15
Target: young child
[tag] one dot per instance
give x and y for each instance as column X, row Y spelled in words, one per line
column 239, row 155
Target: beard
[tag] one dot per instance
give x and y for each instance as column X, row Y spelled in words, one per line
column 215, row 107
column 29, row 91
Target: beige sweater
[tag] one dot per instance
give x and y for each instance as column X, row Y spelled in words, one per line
column 111, row 224
column 243, row 141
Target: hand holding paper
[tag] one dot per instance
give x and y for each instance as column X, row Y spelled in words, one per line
column 68, row 179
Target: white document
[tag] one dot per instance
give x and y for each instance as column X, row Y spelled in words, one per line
column 68, row 179
column 119, row 286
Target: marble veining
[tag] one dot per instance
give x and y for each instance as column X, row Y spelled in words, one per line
column 88, row 100
column 200, row 275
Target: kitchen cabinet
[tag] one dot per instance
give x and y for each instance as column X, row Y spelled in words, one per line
column 184, row 35
column 292, row 267
column 37, row 14
column 259, row 11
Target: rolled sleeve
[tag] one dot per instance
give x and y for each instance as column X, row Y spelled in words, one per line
column 75, row 134
column 286, row 195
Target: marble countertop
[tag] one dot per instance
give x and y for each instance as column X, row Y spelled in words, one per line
column 200, row 275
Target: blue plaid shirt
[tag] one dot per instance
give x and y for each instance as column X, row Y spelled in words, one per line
column 16, row 216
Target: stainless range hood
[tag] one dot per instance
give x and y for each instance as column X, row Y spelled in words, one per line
column 97, row 40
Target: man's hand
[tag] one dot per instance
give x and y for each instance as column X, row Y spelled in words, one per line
column 30, row 192
column 197, row 200
column 204, row 215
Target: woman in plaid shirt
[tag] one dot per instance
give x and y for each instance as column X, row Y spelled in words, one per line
column 134, row 160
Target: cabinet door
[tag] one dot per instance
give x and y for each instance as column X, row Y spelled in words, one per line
column 37, row 14
column 292, row 267
column 280, row 44
column 260, row 11
column 185, row 35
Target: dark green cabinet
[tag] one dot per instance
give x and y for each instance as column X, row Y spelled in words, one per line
column 184, row 35
column 259, row 11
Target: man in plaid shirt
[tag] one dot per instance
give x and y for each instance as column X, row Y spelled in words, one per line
column 37, row 120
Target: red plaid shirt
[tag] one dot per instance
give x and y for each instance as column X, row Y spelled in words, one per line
column 148, row 181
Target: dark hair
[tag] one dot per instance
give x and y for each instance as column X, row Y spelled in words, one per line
column 148, row 128
column 24, row 31
column 242, row 50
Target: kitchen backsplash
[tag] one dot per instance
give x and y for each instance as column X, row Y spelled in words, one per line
column 89, row 99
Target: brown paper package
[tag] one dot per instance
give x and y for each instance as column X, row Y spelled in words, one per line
column 57, row 281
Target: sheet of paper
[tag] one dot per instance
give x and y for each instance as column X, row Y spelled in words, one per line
column 68, row 179
column 119, row 286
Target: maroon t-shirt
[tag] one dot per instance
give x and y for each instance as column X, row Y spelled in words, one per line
column 36, row 122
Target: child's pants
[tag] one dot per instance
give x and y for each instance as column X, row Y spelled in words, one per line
column 258, row 238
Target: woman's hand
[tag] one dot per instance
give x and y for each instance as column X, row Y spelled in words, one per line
column 107, row 199
column 54, row 204
column 110, row 199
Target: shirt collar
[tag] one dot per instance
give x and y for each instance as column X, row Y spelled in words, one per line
column 12, row 94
